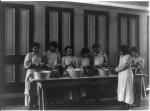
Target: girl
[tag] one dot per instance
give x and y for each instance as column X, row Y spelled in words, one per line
column 125, row 78
column 52, row 59
column 69, row 61
column 52, row 56
column 32, row 64
column 137, row 68
column 85, row 61
column 99, row 58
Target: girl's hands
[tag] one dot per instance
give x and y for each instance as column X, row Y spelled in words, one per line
column 117, row 69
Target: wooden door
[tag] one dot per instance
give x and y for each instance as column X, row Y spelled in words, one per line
column 128, row 30
column 18, row 37
column 96, row 29
column 59, row 26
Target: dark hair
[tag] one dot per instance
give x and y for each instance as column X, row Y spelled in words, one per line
column 85, row 51
column 53, row 43
column 95, row 46
column 35, row 44
column 124, row 49
column 133, row 49
column 66, row 48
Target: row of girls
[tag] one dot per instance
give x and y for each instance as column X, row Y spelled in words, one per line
column 52, row 58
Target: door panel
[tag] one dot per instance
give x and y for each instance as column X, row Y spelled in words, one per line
column 24, row 32
column 9, row 31
column 124, row 30
column 9, row 73
column 102, row 32
column 53, row 15
column 22, row 73
column 23, row 40
column 65, row 29
column 91, row 30
column 133, row 30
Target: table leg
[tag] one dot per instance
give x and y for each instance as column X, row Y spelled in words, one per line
column 42, row 99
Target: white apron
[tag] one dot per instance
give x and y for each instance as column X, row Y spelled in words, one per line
column 125, row 81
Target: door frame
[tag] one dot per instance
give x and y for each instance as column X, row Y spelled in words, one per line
column 15, row 86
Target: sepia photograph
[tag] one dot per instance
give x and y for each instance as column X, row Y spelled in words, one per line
column 74, row 55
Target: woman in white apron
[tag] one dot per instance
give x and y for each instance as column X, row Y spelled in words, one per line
column 137, row 68
column 125, row 78
column 32, row 64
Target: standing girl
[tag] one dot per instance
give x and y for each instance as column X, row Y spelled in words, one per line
column 32, row 64
column 125, row 78
column 137, row 68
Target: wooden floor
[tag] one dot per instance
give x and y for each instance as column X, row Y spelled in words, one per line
column 104, row 104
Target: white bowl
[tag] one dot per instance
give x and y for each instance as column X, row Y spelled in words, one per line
column 103, row 72
column 42, row 75
column 75, row 72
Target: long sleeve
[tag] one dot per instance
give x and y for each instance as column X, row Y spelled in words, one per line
column 141, row 63
column 63, row 62
column 27, row 61
column 125, row 65
column 105, row 57
column 76, row 62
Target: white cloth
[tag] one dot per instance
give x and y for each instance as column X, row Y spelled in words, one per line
column 100, row 59
column 125, row 81
column 53, row 58
column 84, row 61
column 70, row 60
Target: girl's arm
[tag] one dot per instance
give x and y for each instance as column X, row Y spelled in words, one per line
column 140, row 64
column 76, row 62
column 27, row 61
column 125, row 66
column 105, row 58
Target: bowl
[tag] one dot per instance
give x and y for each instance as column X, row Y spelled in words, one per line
column 104, row 72
column 42, row 75
column 75, row 72
column 55, row 73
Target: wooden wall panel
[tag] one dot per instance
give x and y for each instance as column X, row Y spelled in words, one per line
column 9, row 31
column 102, row 32
column 133, row 32
column 123, row 31
column 22, row 73
column 9, row 73
column 24, row 32
column 65, row 29
column 91, row 30
column 53, row 30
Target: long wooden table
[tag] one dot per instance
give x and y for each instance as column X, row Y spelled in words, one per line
column 108, row 84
